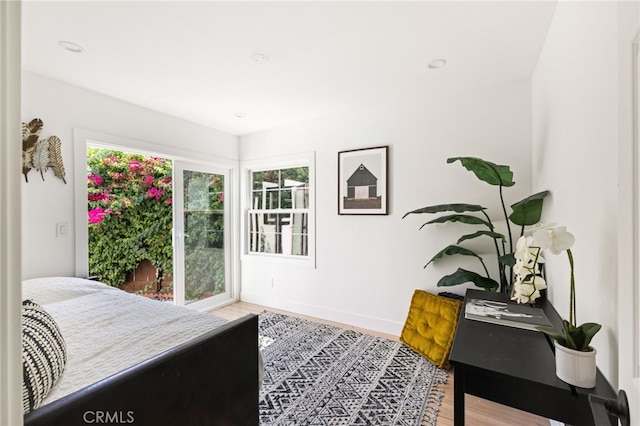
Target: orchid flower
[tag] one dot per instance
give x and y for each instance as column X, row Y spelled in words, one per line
column 557, row 239
column 527, row 284
column 528, row 291
column 554, row 238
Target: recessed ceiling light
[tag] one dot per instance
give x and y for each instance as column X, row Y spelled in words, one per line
column 71, row 46
column 260, row 58
column 240, row 115
column 437, row 63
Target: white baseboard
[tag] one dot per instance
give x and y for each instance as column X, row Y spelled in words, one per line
column 555, row 423
column 361, row 321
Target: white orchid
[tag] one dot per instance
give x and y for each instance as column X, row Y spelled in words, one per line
column 528, row 291
column 526, row 253
column 522, row 248
column 527, row 284
column 556, row 239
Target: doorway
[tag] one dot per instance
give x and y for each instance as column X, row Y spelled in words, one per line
column 192, row 201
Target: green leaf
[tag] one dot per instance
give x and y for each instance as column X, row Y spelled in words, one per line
column 494, row 235
column 457, row 207
column 568, row 335
column 462, row 276
column 528, row 211
column 583, row 334
column 452, row 251
column 464, row 218
column 486, row 171
column 576, row 338
column 552, row 333
column 508, row 259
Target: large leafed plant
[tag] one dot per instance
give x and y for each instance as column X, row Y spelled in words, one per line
column 523, row 213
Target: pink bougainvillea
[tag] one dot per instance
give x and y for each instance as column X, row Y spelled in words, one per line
column 96, row 215
column 128, row 194
column 98, row 196
column 155, row 193
column 134, row 165
column 116, row 176
column 110, row 160
column 94, row 179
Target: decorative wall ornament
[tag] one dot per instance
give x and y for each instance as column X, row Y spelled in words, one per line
column 40, row 154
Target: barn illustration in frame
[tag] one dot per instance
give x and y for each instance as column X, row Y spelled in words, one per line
column 362, row 181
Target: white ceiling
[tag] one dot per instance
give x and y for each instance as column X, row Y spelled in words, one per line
column 193, row 60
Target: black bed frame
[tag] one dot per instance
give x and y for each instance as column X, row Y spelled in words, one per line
column 210, row 380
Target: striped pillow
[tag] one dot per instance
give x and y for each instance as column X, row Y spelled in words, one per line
column 44, row 354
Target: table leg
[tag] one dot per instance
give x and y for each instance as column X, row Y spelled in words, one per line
column 458, row 396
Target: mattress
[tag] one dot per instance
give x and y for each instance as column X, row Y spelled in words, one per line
column 107, row 330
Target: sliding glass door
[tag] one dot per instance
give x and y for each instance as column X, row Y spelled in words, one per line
column 201, row 235
column 166, row 222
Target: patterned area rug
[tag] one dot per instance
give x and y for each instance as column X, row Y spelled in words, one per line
column 317, row 374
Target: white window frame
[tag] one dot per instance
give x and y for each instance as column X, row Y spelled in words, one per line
column 306, row 159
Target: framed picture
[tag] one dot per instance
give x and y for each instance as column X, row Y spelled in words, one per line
column 363, row 182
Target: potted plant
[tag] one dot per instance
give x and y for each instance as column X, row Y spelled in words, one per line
column 575, row 359
column 524, row 213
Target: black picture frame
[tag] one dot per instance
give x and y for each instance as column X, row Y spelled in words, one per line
column 363, row 181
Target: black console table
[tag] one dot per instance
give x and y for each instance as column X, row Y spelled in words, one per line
column 516, row 367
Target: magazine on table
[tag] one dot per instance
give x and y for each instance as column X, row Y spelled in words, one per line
column 509, row 314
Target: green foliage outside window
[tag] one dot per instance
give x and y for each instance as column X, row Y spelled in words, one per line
column 204, row 235
column 278, row 177
column 129, row 212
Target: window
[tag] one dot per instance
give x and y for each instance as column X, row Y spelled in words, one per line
column 279, row 212
column 280, row 208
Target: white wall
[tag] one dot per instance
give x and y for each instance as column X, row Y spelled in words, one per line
column 62, row 108
column 369, row 266
column 576, row 146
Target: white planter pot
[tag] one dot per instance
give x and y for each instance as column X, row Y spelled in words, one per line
column 576, row 367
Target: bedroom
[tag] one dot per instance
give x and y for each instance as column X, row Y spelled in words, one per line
column 549, row 131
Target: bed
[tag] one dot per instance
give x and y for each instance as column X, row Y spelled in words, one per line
column 131, row 360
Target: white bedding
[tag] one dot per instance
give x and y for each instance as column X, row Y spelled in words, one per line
column 107, row 330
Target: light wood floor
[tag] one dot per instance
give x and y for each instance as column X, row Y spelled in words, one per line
column 479, row 412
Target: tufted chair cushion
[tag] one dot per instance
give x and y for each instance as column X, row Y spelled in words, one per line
column 431, row 325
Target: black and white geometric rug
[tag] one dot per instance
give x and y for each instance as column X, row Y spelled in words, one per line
column 317, row 374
